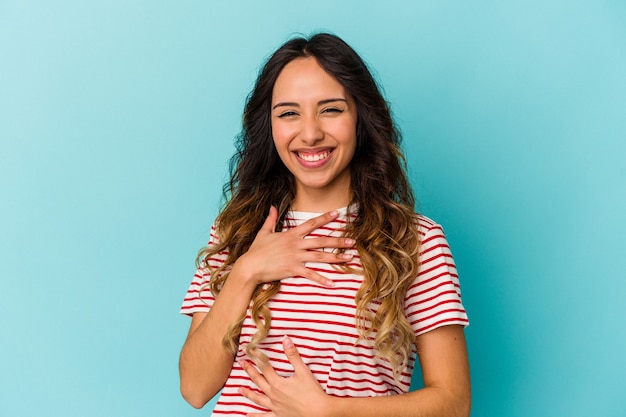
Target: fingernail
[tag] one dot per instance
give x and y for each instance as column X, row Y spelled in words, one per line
column 287, row 342
column 350, row 242
column 330, row 283
column 346, row 256
column 334, row 213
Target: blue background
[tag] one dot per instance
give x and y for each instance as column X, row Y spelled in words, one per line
column 116, row 122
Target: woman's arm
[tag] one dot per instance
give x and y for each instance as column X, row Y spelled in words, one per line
column 204, row 363
column 443, row 357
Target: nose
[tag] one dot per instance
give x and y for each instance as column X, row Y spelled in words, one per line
column 311, row 131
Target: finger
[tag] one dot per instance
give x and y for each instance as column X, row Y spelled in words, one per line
column 255, row 376
column 269, row 225
column 326, row 257
column 293, row 355
column 314, row 276
column 255, row 397
column 267, row 370
column 312, row 224
column 328, row 242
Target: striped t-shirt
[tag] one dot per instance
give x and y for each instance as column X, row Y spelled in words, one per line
column 321, row 320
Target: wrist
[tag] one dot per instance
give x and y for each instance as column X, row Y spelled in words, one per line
column 242, row 274
column 330, row 407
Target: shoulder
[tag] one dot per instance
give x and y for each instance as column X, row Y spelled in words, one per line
column 214, row 237
column 426, row 225
column 213, row 254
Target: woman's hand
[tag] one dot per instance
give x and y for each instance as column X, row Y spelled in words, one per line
column 446, row 391
column 299, row 395
column 274, row 256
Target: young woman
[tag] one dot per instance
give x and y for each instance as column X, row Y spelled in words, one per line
column 320, row 284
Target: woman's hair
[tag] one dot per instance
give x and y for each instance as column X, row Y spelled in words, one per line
column 384, row 225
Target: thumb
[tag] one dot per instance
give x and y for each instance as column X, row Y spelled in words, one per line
column 269, row 225
column 292, row 354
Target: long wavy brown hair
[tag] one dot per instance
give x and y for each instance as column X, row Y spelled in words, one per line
column 384, row 227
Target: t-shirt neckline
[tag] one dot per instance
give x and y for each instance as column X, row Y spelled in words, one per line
column 309, row 214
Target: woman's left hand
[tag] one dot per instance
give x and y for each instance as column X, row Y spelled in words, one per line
column 298, row 395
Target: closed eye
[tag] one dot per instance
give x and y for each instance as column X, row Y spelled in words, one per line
column 287, row 114
column 332, row 110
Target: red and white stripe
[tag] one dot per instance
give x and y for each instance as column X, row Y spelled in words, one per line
column 321, row 320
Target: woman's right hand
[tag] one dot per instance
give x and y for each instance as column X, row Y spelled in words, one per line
column 277, row 255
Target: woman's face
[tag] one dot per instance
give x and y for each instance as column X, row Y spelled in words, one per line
column 314, row 130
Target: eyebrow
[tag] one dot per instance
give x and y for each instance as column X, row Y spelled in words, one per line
column 319, row 103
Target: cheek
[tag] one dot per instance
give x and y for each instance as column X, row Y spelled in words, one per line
column 346, row 133
column 281, row 134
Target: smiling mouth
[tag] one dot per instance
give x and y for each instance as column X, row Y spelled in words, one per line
column 313, row 157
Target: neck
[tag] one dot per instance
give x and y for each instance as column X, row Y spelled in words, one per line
column 319, row 201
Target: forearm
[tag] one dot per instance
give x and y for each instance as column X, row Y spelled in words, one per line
column 447, row 392
column 204, row 362
column 426, row 402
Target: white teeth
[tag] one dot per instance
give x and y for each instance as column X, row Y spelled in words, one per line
column 313, row 157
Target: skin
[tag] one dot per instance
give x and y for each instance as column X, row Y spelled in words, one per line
column 446, row 392
column 313, row 117
column 204, row 363
column 314, row 131
column 312, row 114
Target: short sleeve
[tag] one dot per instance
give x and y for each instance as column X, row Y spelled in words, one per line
column 199, row 297
column 434, row 299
